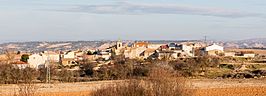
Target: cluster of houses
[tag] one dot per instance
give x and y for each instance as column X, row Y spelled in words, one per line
column 137, row 50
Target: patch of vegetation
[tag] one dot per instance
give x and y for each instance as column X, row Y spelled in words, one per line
column 256, row 67
column 227, row 66
column 160, row 82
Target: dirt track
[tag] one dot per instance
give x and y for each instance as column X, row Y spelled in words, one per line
column 197, row 87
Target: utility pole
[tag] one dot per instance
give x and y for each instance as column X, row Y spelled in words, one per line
column 48, row 70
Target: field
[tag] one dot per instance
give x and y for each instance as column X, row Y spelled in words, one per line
column 256, row 51
column 242, row 91
column 228, row 88
column 195, row 87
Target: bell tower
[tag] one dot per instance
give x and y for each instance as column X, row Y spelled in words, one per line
column 119, row 45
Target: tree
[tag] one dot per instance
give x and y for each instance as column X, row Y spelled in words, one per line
column 65, row 75
column 87, row 68
column 9, row 56
column 24, row 58
column 5, row 73
column 43, row 73
column 90, row 53
column 28, row 75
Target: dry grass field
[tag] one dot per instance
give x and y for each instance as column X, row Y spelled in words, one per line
column 256, row 51
column 197, row 87
column 228, row 88
column 236, row 91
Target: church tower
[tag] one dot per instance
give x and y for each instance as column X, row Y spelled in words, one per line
column 119, row 45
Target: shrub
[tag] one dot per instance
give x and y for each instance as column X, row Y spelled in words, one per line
column 140, row 71
column 160, row 82
column 227, row 66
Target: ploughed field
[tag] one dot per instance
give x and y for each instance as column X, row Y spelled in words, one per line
column 195, row 87
column 228, row 88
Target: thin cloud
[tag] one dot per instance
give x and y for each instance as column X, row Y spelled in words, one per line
column 140, row 8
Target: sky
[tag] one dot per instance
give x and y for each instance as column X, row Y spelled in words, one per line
column 72, row 20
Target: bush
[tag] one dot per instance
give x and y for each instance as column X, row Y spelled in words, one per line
column 65, row 75
column 12, row 75
column 43, row 73
column 160, row 82
column 140, row 71
column 87, row 68
column 227, row 66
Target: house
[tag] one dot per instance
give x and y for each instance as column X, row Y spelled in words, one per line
column 135, row 52
column 154, row 46
column 245, row 54
column 172, row 46
column 75, row 55
column 141, row 44
column 177, row 50
column 249, row 55
column 138, row 51
column 68, row 61
column 69, row 55
column 37, row 60
column 167, row 54
column 213, row 50
column 105, row 55
column 195, row 45
column 229, row 54
column 79, row 55
column 149, row 53
column 164, row 47
column 53, row 56
column 214, row 47
column 187, row 50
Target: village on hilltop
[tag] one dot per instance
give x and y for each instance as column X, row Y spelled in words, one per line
column 142, row 50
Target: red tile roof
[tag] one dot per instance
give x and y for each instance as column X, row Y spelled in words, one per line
column 19, row 62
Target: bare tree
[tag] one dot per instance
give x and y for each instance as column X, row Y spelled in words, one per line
column 9, row 56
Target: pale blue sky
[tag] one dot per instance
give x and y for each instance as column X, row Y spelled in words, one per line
column 52, row 20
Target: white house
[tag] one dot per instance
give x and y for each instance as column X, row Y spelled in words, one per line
column 188, row 50
column 69, row 54
column 214, row 47
column 213, row 50
column 52, row 57
column 36, row 60
column 249, row 55
column 229, row 54
column 154, row 46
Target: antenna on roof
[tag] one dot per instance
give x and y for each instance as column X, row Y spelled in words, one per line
column 205, row 40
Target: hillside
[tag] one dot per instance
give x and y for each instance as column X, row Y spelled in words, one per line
column 60, row 45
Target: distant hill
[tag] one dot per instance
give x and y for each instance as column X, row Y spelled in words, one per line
column 247, row 43
column 259, row 43
column 43, row 46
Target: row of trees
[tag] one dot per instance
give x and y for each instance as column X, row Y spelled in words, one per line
column 10, row 74
column 121, row 69
column 132, row 68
